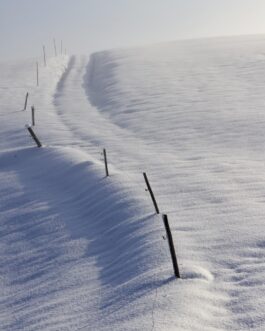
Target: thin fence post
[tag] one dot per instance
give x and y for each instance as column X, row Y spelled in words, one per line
column 26, row 101
column 151, row 193
column 33, row 135
column 106, row 162
column 37, row 72
column 44, row 56
column 54, row 45
column 33, row 115
column 171, row 247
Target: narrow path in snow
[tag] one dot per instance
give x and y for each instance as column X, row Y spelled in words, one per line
column 91, row 130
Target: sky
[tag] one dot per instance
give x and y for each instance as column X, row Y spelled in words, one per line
column 86, row 26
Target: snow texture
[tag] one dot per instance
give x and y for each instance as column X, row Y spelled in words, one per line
column 80, row 251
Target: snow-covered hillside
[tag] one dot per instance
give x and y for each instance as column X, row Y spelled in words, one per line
column 80, row 251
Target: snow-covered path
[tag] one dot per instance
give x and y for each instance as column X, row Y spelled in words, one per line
column 83, row 251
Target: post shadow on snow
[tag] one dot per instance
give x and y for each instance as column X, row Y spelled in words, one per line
column 135, row 291
column 121, row 249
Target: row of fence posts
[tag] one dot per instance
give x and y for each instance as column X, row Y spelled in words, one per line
column 30, row 129
column 167, row 228
column 164, row 216
column 149, row 189
column 44, row 58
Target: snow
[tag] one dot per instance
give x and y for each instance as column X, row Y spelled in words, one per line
column 80, row 251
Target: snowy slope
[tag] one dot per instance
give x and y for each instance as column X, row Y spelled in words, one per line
column 76, row 247
column 82, row 252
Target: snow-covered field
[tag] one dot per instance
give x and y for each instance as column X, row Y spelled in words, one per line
column 79, row 251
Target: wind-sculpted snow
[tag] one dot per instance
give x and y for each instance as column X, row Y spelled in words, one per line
column 74, row 244
column 206, row 91
column 80, row 251
column 199, row 106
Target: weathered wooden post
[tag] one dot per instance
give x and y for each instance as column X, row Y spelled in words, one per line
column 33, row 135
column 151, row 193
column 171, row 247
column 106, row 162
column 26, row 101
column 33, row 115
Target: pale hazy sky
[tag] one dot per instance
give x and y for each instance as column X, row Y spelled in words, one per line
column 90, row 25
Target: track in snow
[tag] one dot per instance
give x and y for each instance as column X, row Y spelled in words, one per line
column 88, row 251
column 213, row 197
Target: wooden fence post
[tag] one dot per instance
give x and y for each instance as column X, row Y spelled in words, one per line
column 54, row 45
column 106, row 162
column 44, row 56
column 34, row 136
column 26, row 101
column 171, row 247
column 151, row 193
column 33, row 115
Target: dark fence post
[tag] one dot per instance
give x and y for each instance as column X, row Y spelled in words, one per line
column 151, row 193
column 34, row 136
column 171, row 247
column 106, row 162
column 33, row 116
column 26, row 101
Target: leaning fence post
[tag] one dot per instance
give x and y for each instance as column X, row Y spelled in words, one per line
column 33, row 116
column 151, row 193
column 33, row 135
column 26, row 101
column 171, row 247
column 106, row 162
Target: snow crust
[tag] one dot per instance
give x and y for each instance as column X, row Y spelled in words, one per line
column 80, row 251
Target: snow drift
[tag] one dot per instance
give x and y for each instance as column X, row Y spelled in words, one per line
column 82, row 252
